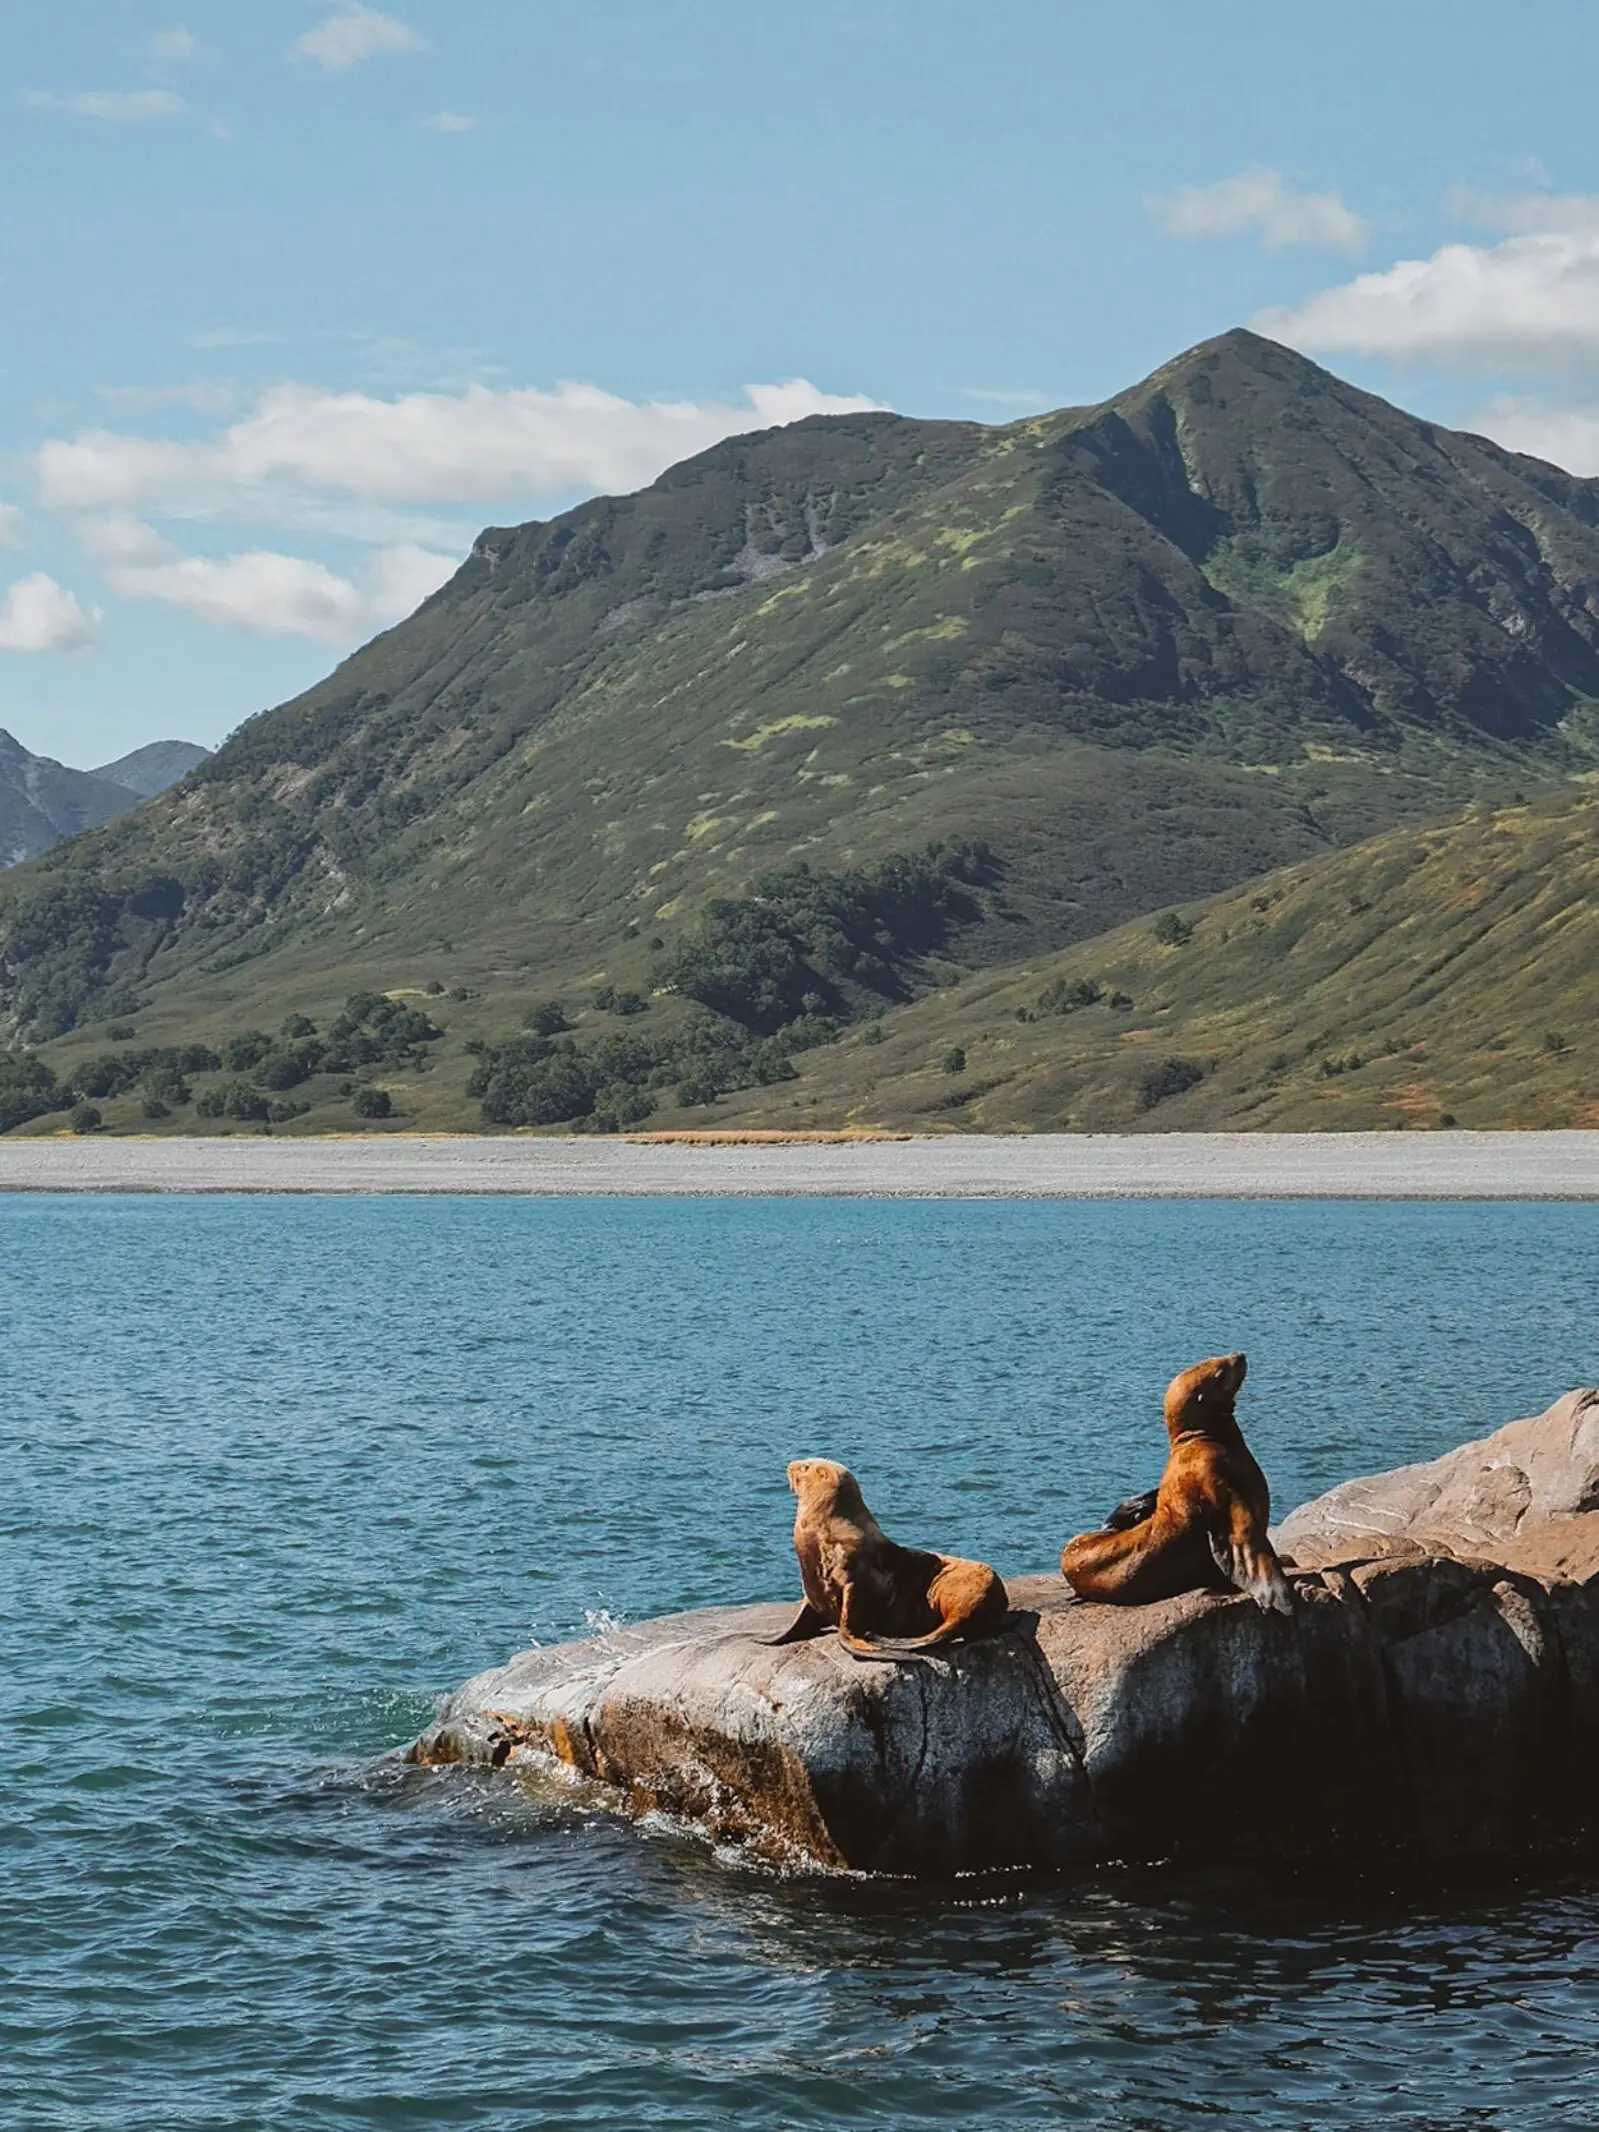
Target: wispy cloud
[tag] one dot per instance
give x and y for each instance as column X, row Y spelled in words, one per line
column 451, row 122
column 38, row 615
column 355, row 33
column 1258, row 203
column 1526, row 214
column 993, row 396
column 174, row 47
column 114, row 107
column 11, row 535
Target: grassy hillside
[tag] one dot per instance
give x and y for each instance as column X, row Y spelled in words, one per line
column 1428, row 977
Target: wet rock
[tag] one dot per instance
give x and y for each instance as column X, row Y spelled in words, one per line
column 1424, row 1700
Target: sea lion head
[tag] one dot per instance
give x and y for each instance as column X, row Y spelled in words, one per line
column 1203, row 1396
column 825, row 1487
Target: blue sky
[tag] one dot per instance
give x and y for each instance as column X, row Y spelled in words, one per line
column 299, row 294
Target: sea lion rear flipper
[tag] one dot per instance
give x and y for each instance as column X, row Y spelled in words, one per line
column 806, row 1624
column 1248, row 1561
column 888, row 1652
column 1134, row 1511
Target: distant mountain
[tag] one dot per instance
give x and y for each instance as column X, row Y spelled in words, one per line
column 1236, row 617
column 152, row 769
column 42, row 801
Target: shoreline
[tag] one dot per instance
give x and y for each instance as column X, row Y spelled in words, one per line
column 1389, row 1166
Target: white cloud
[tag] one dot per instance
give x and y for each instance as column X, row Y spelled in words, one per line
column 469, row 447
column 116, row 107
column 451, row 122
column 39, row 615
column 353, row 34
column 1258, row 203
column 1530, row 302
column 266, row 593
column 10, row 526
column 174, row 47
column 1566, row 436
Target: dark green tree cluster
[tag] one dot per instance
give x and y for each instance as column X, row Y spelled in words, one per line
column 60, row 944
column 28, row 1089
column 809, row 944
column 373, row 1030
column 616, row 1082
column 160, row 1070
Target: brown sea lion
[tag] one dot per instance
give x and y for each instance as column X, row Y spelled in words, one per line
column 1204, row 1528
column 885, row 1601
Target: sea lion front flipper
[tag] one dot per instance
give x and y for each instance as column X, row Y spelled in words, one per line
column 1246, row 1558
column 1134, row 1511
column 806, row 1624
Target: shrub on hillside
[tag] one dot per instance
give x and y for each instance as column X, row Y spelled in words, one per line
column 1167, row 1077
column 1066, row 995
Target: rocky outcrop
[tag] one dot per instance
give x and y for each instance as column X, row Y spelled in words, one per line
column 1522, row 1496
column 1424, row 1699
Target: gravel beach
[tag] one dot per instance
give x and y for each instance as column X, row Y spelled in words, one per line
column 1555, row 1165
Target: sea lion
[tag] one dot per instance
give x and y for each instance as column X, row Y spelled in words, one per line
column 885, row 1601
column 1204, row 1527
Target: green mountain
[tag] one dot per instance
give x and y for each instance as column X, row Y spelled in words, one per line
column 1236, row 617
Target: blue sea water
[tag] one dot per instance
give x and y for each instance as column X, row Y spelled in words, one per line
column 276, row 1473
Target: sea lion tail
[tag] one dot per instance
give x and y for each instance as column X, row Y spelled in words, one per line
column 904, row 1652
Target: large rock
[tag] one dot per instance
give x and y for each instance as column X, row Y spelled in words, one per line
column 1523, row 1495
column 1425, row 1698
